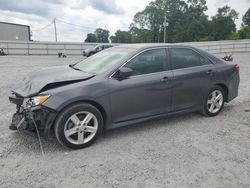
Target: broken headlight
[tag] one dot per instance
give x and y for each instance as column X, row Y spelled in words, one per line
column 38, row 100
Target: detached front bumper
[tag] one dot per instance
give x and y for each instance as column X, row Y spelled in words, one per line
column 29, row 118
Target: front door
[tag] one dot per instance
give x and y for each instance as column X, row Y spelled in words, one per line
column 147, row 92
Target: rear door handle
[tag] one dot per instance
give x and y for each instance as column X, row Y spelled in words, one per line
column 165, row 79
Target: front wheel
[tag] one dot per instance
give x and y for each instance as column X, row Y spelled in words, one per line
column 78, row 126
column 214, row 102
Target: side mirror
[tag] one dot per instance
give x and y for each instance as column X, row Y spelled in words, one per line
column 123, row 73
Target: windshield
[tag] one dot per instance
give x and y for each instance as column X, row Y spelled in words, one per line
column 103, row 60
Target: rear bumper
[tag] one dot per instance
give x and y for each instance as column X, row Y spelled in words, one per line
column 26, row 119
column 233, row 87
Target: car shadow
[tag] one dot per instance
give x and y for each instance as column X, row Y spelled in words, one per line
column 156, row 123
column 159, row 123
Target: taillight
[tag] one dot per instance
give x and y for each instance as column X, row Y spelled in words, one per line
column 237, row 68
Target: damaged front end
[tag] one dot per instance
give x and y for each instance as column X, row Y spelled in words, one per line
column 31, row 114
column 27, row 95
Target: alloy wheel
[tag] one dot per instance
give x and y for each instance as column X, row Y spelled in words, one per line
column 81, row 127
column 215, row 101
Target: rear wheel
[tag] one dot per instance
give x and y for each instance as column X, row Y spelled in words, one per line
column 214, row 102
column 78, row 126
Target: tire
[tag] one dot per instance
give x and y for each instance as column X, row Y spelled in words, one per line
column 78, row 126
column 213, row 107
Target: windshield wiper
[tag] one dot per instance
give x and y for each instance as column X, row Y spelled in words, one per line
column 72, row 66
column 75, row 68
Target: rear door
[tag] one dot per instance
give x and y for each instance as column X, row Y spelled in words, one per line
column 147, row 92
column 193, row 77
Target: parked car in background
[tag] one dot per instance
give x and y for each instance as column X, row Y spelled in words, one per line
column 120, row 86
column 98, row 48
column 2, row 53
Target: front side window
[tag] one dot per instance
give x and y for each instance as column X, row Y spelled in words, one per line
column 185, row 58
column 149, row 61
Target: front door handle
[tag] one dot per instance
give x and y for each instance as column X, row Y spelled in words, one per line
column 209, row 72
column 165, row 79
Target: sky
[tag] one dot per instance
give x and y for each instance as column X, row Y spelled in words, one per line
column 76, row 18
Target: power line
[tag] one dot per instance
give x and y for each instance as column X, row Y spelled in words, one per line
column 43, row 27
column 75, row 24
column 81, row 26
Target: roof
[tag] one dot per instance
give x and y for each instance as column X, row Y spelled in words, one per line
column 14, row 24
column 141, row 46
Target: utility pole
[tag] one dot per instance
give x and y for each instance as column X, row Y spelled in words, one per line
column 54, row 21
column 165, row 24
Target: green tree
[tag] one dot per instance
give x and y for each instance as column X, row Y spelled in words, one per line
column 102, row 35
column 153, row 16
column 222, row 24
column 91, row 38
column 246, row 18
column 199, row 5
column 226, row 11
column 140, row 35
column 121, row 37
column 244, row 32
column 186, row 21
column 195, row 24
column 234, row 36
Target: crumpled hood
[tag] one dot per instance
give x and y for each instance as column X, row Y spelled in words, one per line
column 36, row 81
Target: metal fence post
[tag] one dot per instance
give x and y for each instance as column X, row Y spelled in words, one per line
column 28, row 48
column 47, row 48
column 7, row 46
column 64, row 49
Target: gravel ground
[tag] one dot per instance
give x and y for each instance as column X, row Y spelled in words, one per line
column 185, row 151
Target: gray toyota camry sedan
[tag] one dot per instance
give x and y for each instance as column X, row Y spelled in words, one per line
column 120, row 86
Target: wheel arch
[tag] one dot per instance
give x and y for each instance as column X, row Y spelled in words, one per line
column 225, row 89
column 93, row 103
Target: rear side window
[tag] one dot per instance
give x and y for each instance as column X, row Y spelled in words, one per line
column 184, row 58
column 150, row 61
